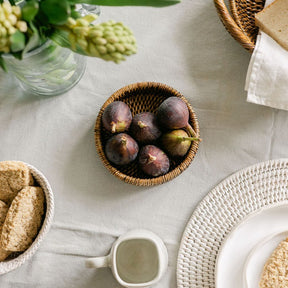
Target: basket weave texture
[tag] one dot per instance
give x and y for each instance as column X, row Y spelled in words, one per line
column 239, row 21
column 9, row 265
column 223, row 208
column 143, row 97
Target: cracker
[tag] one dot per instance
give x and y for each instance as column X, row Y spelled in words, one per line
column 14, row 176
column 3, row 212
column 23, row 219
column 273, row 20
column 3, row 253
column 275, row 271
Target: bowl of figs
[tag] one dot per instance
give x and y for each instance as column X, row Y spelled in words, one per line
column 146, row 133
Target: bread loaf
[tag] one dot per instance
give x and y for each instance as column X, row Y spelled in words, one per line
column 3, row 212
column 23, row 219
column 273, row 20
column 14, row 176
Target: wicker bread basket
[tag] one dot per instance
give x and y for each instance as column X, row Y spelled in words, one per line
column 143, row 97
column 240, row 19
column 15, row 262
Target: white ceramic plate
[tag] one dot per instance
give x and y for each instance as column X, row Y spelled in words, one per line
column 245, row 250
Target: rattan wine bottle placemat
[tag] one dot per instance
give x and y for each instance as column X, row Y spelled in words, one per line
column 239, row 195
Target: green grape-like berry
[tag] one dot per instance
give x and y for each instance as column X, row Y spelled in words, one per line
column 10, row 23
column 111, row 41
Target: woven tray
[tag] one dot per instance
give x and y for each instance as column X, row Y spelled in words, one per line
column 224, row 207
column 240, row 19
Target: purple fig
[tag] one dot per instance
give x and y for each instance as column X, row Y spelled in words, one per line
column 144, row 127
column 117, row 117
column 153, row 161
column 177, row 142
column 121, row 149
column 174, row 114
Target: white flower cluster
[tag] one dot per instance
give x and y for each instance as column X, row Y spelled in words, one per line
column 111, row 40
column 9, row 23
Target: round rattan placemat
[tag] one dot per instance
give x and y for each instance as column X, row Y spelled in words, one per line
column 224, row 207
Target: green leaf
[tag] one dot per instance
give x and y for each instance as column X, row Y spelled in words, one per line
column 34, row 39
column 61, row 38
column 3, row 64
column 92, row 2
column 12, row 2
column 56, row 11
column 17, row 55
column 30, row 10
column 154, row 3
column 17, row 41
column 75, row 14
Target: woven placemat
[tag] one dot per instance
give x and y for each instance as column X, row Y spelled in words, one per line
column 224, row 207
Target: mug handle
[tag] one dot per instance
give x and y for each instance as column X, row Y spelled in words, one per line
column 98, row 262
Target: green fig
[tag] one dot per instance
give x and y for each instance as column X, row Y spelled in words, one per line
column 177, row 142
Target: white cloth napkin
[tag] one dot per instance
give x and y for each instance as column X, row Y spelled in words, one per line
column 267, row 76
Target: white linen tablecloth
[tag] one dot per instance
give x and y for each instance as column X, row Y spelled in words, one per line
column 184, row 46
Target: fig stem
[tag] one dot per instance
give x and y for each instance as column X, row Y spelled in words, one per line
column 151, row 158
column 192, row 132
column 123, row 140
column 183, row 138
column 118, row 126
column 113, row 127
column 141, row 124
column 187, row 138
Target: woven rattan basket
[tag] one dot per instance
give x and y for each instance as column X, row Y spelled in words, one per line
column 143, row 97
column 13, row 263
column 240, row 19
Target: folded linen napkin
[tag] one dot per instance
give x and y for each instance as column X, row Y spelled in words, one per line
column 267, row 76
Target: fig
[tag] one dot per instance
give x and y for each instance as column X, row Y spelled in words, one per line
column 117, row 117
column 121, row 149
column 173, row 114
column 144, row 127
column 177, row 142
column 153, row 161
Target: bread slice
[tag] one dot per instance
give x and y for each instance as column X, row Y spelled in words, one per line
column 273, row 20
column 14, row 176
column 3, row 212
column 3, row 253
column 275, row 271
column 23, row 220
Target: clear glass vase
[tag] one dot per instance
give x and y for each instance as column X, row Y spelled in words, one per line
column 47, row 70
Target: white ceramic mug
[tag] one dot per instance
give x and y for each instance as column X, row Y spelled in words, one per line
column 138, row 258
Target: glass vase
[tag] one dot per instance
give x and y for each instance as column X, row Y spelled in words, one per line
column 47, row 70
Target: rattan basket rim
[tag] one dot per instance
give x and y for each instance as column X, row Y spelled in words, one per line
column 233, row 24
column 151, row 181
